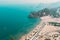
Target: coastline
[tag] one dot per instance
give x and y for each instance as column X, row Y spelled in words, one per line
column 42, row 28
column 33, row 32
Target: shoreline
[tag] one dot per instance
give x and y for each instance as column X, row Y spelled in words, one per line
column 31, row 33
column 42, row 28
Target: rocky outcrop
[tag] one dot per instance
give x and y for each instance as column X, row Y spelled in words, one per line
column 45, row 12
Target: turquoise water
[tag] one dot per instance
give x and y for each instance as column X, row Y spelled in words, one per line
column 14, row 21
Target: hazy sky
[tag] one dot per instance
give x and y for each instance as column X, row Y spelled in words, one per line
column 27, row 1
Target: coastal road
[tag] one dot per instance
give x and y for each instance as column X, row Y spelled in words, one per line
column 35, row 37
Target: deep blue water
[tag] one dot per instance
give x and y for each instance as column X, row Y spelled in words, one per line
column 14, row 21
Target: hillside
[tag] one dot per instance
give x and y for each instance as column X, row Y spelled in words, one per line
column 53, row 12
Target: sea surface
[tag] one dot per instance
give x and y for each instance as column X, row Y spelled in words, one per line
column 14, row 21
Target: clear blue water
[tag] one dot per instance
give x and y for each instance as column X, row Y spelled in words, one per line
column 14, row 21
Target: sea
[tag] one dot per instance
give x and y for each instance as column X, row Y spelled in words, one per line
column 14, row 21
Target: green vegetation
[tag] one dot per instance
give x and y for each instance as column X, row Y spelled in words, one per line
column 48, row 11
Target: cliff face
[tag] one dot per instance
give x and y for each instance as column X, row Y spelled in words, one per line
column 54, row 12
